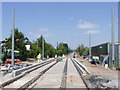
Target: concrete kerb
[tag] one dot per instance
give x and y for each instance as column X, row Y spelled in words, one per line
column 86, row 82
column 19, row 71
column 85, row 68
column 28, row 71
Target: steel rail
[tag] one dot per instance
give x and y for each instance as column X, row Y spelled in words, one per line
column 25, row 73
column 64, row 77
column 26, row 85
column 80, row 74
column 82, row 67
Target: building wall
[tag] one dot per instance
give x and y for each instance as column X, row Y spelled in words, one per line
column 117, row 46
column 100, row 49
column 106, row 49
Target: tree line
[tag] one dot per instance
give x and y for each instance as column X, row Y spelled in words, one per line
column 82, row 50
column 36, row 47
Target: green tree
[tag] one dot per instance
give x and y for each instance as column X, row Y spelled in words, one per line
column 64, row 48
column 48, row 48
column 60, row 53
column 81, row 49
column 18, row 45
column 36, row 47
column 50, row 51
column 35, row 50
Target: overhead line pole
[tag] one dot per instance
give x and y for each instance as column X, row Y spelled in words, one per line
column 89, row 46
column 13, row 40
column 113, row 51
column 43, row 48
column 1, row 53
column 57, row 49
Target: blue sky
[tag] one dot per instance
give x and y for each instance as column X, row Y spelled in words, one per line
column 61, row 22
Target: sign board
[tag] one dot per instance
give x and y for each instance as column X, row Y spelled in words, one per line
column 27, row 47
column 95, row 57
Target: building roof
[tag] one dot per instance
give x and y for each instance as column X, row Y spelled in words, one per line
column 116, row 42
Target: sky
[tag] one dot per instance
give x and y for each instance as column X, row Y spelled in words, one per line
column 68, row 22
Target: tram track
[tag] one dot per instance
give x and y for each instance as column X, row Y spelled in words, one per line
column 67, row 78
column 26, row 85
column 64, row 77
column 80, row 73
column 65, row 82
column 26, row 74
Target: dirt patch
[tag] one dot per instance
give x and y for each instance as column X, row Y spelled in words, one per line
column 100, row 76
column 98, row 81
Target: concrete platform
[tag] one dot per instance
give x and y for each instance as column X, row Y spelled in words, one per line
column 28, row 77
column 4, row 78
column 8, row 76
column 73, row 78
column 52, row 78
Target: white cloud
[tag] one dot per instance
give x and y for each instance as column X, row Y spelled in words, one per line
column 71, row 18
column 37, row 35
column 47, row 35
column 87, row 25
column 75, row 34
column 80, row 21
column 43, row 29
column 92, row 32
column 34, row 34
